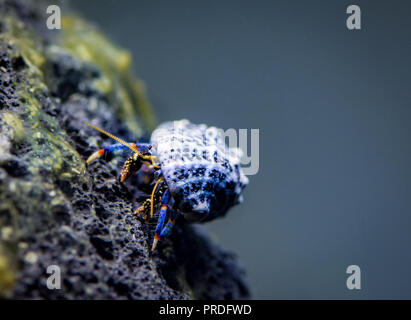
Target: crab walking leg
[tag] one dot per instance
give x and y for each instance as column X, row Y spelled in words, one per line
column 148, row 205
column 113, row 148
column 144, row 208
column 152, row 196
column 162, row 217
column 166, row 230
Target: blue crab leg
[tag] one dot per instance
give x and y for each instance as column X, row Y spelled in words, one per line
column 166, row 230
column 162, row 217
column 116, row 147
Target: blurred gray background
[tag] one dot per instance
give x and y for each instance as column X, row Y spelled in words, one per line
column 333, row 109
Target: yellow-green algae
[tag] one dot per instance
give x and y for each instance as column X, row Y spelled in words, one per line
column 86, row 43
column 32, row 130
column 50, row 149
column 15, row 124
column 27, row 43
column 7, row 274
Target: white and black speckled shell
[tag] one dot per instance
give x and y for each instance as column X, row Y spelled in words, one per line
column 203, row 175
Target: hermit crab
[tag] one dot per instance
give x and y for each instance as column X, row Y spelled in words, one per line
column 197, row 175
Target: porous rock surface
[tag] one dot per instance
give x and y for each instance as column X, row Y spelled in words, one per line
column 55, row 210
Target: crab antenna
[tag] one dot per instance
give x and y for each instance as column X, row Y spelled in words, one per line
column 115, row 138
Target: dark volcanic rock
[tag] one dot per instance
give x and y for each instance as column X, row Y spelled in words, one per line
column 55, row 210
